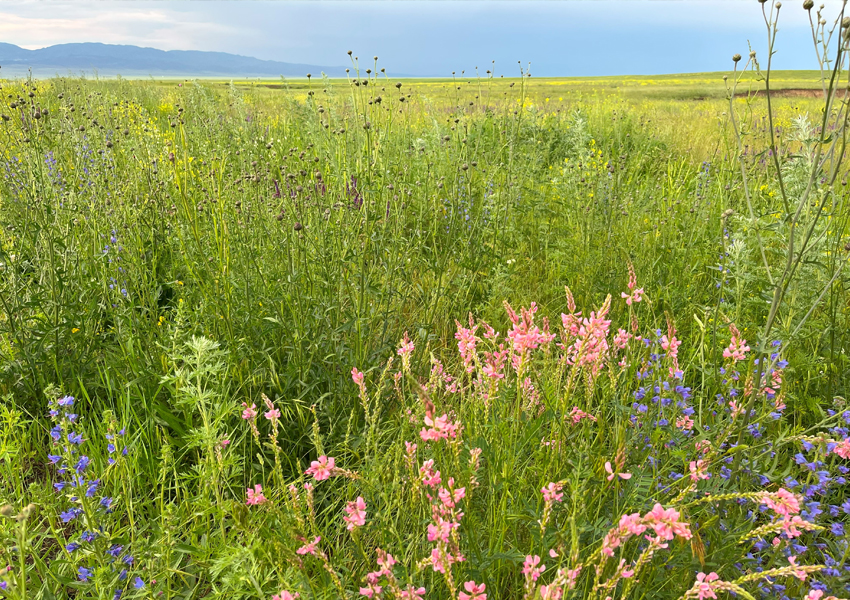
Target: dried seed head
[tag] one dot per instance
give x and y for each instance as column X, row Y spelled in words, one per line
column 298, row 226
column 808, row 4
column 7, row 511
column 752, row 53
column 736, row 57
column 845, row 22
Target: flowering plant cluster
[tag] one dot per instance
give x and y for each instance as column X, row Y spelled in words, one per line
column 672, row 473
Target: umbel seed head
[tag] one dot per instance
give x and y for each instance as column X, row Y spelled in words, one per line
column 736, row 58
column 808, row 4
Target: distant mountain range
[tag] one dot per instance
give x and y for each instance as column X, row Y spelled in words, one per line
column 133, row 61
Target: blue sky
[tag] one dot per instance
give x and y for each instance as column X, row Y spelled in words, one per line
column 434, row 38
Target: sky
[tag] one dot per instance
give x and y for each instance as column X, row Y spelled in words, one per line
column 434, row 38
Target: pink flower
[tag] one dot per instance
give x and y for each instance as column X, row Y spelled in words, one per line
column 631, row 524
column 666, row 524
column 790, row 526
column 697, row 468
column 842, row 448
column 737, row 349
column 799, row 574
column 495, row 363
column 355, row 514
column 440, row 428
column 309, row 548
column 611, row 473
column 357, row 377
column 525, row 335
column 551, row 592
column 814, row 595
column 530, row 568
column 552, row 492
column 782, row 502
column 411, row 593
column 250, row 412
column 429, row 476
column 577, row 414
column 634, row 296
column 466, row 341
column 255, row 496
column 322, row 469
column 475, row 591
column 272, row 414
column 621, row 340
column 224, row 443
column 284, row 595
column 685, row 422
column 704, row 588
column 371, row 590
column 406, row 346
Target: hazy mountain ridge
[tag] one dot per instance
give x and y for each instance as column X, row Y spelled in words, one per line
column 109, row 59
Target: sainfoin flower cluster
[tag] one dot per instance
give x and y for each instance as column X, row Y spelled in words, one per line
column 654, row 468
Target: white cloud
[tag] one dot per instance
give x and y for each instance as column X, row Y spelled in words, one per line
column 36, row 25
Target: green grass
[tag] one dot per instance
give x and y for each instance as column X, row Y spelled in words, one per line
column 172, row 250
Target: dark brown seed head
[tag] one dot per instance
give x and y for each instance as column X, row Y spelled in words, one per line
column 298, row 226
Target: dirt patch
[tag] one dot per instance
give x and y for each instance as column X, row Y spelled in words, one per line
column 788, row 93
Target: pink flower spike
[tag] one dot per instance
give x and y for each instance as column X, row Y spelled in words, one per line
column 249, row 412
column 530, row 568
column 272, row 414
column 285, row 595
column 412, row 593
column 783, row 502
column 357, row 376
column 612, row 474
column 225, row 443
column 475, row 591
column 322, row 469
column 356, row 514
column 704, row 587
column 800, row 574
column 255, row 496
column 309, row 548
column 552, row 492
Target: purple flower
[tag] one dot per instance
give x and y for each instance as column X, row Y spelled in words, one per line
column 82, row 464
column 88, row 536
column 84, row 573
column 138, row 583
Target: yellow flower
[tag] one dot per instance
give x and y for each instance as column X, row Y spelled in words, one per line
column 75, row 330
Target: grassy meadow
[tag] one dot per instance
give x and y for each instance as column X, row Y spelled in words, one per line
column 258, row 337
